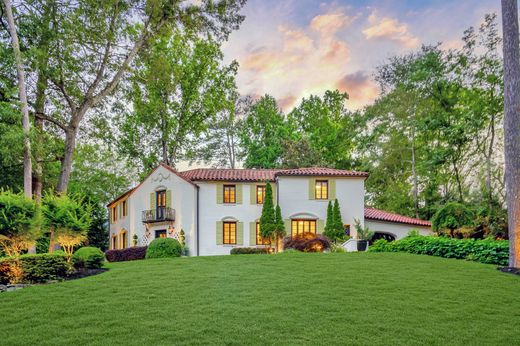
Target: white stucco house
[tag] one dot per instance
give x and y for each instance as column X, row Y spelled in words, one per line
column 218, row 209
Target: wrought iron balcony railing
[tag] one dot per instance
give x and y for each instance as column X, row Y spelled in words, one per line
column 158, row 214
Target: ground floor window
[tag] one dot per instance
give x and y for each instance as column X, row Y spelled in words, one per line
column 259, row 239
column 229, row 232
column 160, row 233
column 301, row 226
column 124, row 240
column 114, row 242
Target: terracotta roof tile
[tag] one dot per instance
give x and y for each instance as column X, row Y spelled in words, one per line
column 321, row 171
column 381, row 215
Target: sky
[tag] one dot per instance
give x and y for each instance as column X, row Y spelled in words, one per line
column 291, row 49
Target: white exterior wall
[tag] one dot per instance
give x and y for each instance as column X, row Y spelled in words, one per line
column 398, row 230
column 211, row 212
column 293, row 194
column 183, row 200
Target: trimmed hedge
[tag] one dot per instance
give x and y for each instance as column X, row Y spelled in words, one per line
column 128, row 254
column 38, row 268
column 485, row 251
column 164, row 248
column 249, row 250
column 88, row 257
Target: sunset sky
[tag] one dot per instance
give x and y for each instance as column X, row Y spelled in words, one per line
column 293, row 48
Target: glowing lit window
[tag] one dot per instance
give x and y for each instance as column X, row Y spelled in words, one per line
column 229, row 193
column 298, row 227
column 260, row 194
column 229, row 232
column 259, row 239
column 322, row 189
column 160, row 233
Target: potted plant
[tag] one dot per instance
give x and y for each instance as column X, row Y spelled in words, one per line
column 363, row 236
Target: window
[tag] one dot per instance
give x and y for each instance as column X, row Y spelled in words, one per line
column 299, row 227
column 322, row 189
column 160, row 233
column 259, row 239
column 124, row 237
column 346, row 227
column 230, row 194
column 229, row 232
column 114, row 242
column 114, row 214
column 124, row 208
column 161, row 198
column 260, row 194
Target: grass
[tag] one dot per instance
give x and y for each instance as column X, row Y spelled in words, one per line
column 369, row 298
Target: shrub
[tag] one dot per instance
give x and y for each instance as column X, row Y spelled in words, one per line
column 88, row 257
column 164, row 248
column 249, row 250
column 128, row 254
column 307, row 242
column 33, row 268
column 484, row 251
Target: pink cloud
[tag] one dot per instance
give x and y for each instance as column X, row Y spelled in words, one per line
column 360, row 88
column 390, row 29
column 330, row 23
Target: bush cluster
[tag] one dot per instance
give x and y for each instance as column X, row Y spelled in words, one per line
column 88, row 257
column 249, row 250
column 307, row 242
column 164, row 248
column 128, row 254
column 38, row 268
column 484, row 251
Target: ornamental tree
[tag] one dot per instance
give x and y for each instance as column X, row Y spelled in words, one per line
column 334, row 224
column 451, row 216
column 18, row 223
column 267, row 219
column 329, row 221
column 279, row 227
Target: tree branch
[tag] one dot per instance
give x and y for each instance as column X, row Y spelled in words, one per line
column 56, row 122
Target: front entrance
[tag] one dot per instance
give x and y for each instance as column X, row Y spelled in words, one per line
column 160, row 233
column 300, row 226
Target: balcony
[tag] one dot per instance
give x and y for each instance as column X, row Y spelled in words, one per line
column 159, row 214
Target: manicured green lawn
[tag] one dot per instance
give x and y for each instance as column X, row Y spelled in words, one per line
column 373, row 299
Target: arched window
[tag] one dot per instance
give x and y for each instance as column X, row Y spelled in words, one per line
column 123, row 239
column 113, row 244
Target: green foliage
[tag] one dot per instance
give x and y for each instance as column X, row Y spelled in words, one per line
column 248, row 250
column 18, row 214
column 329, row 222
column 268, row 218
column 363, row 233
column 452, row 216
column 66, row 213
column 38, row 268
column 279, row 226
column 484, row 251
column 334, row 223
column 164, row 248
column 88, row 257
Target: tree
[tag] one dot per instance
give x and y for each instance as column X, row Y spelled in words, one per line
column 334, row 223
column 451, row 216
column 268, row 218
column 329, row 222
column 512, row 125
column 18, row 223
column 26, row 125
column 178, row 87
column 67, row 219
column 279, row 227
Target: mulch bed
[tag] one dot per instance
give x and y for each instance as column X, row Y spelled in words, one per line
column 514, row 271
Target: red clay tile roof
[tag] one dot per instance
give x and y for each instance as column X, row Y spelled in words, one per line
column 381, row 215
column 220, row 174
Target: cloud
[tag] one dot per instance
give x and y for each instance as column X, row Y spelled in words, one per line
column 360, row 88
column 391, row 29
column 330, row 23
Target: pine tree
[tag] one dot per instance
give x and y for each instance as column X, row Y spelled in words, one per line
column 338, row 222
column 329, row 222
column 267, row 220
column 279, row 227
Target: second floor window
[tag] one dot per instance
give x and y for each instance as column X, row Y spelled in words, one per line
column 322, row 189
column 161, row 198
column 114, row 213
column 229, row 232
column 260, row 194
column 124, row 208
column 230, row 194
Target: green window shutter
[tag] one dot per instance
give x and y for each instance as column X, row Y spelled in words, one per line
column 152, row 200
column 252, row 233
column 220, row 193
column 312, row 188
column 219, row 233
column 238, row 188
column 332, row 189
column 287, row 224
column 320, row 226
column 240, row 233
column 169, row 198
column 273, row 186
column 252, row 194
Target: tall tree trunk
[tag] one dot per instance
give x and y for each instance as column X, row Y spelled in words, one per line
column 26, row 125
column 512, row 125
column 414, row 171
column 66, row 164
